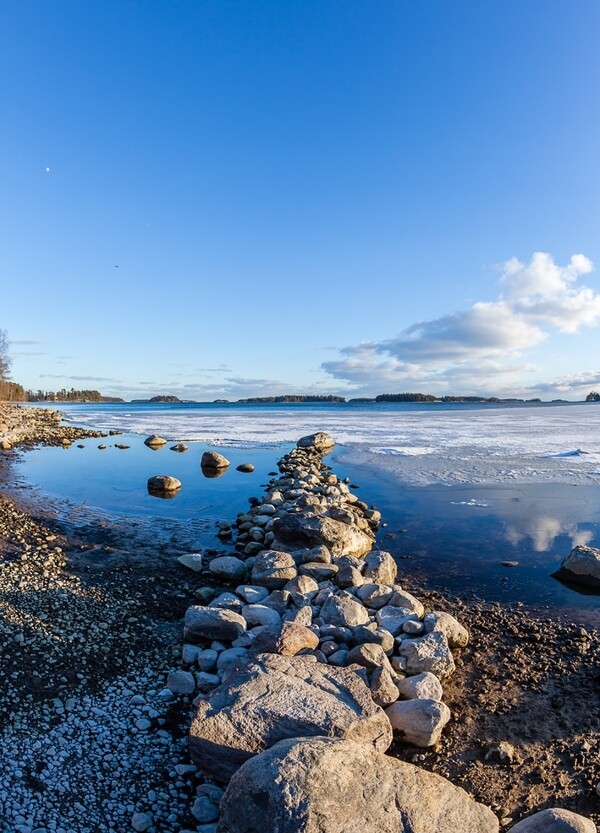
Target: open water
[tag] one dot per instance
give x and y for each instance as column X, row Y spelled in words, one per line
column 462, row 487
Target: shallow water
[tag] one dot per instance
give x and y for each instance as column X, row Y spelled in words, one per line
column 446, row 536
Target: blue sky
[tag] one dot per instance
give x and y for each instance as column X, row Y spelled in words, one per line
column 228, row 199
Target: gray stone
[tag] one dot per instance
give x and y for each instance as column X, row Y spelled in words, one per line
column 428, row 653
column 245, row 467
column 203, row 810
column 455, row 633
column 260, row 615
column 275, row 697
column 227, row 600
column 231, row 656
column 401, row 598
column 344, row 611
column 370, row 656
column 321, row 442
column 374, row 596
column 191, row 560
column 252, row 594
column 393, row 618
column 228, row 568
column 554, row 821
column 378, row 636
column 317, row 570
column 302, row 589
column 181, row 682
column 273, row 569
column 207, row 682
column 581, row 566
column 323, row 785
column 419, row 722
column 306, row 529
column 212, row 623
column 348, row 575
column 383, row 688
column 207, row 659
column 316, row 555
column 380, row 568
column 413, row 628
column 302, row 615
column 287, row 639
column 189, row 654
column 141, row 822
column 425, row 686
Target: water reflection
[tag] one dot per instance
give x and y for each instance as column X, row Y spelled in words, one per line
column 212, row 473
column 543, row 531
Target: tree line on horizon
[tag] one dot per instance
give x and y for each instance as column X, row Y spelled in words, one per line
column 13, row 392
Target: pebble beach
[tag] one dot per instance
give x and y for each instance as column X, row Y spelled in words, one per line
column 96, row 708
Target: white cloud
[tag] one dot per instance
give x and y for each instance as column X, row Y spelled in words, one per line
column 484, row 343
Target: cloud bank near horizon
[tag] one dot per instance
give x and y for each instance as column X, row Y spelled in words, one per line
column 481, row 349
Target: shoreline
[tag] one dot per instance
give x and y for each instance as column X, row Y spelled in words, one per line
column 520, row 680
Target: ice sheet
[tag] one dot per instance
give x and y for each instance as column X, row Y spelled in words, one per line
column 428, row 445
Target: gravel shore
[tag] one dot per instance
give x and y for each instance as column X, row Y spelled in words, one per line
column 90, row 744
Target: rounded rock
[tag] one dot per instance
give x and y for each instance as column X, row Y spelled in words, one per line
column 163, row 483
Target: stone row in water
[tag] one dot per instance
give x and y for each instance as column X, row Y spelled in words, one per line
column 310, row 666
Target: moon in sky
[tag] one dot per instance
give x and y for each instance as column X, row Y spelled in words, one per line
column 47, row 169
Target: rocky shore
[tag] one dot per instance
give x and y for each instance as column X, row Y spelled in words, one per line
column 304, row 654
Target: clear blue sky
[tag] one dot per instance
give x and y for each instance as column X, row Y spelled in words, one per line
column 223, row 199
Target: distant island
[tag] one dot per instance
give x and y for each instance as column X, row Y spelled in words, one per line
column 64, row 395
column 13, row 392
column 173, row 400
column 291, row 398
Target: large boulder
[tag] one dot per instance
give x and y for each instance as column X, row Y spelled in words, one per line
column 274, row 697
column 321, row 442
column 581, row 566
column 554, row 821
column 302, row 530
column 323, row 785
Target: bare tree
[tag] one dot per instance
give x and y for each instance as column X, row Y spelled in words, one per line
column 4, row 355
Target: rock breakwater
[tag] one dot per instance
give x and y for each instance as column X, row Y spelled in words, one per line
column 317, row 623
column 26, row 426
column 93, row 739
